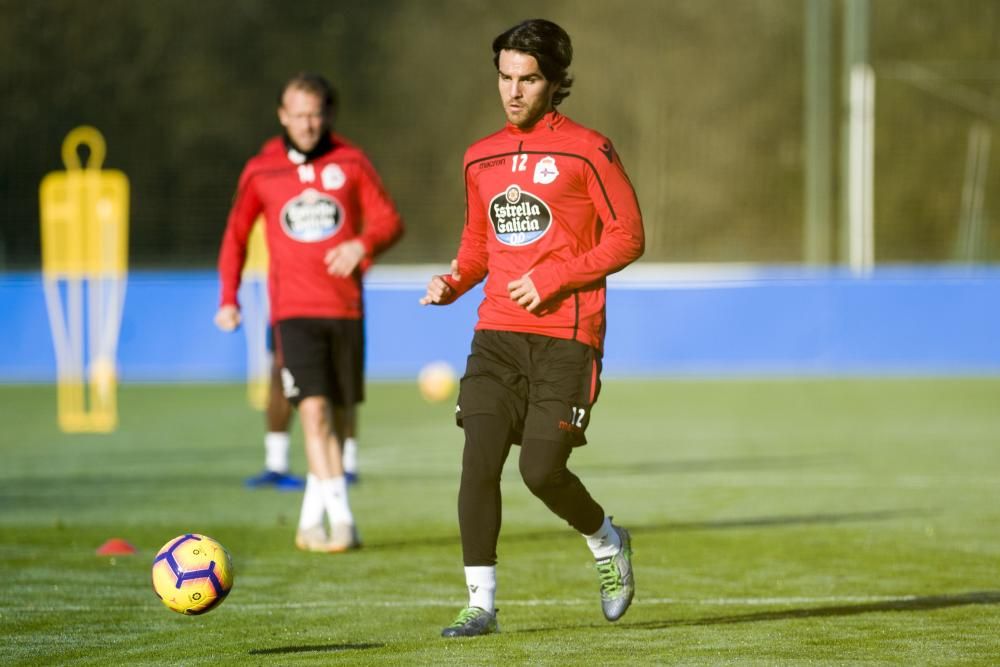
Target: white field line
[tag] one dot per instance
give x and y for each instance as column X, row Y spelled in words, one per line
column 573, row 602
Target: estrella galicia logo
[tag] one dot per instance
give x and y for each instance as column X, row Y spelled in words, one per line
column 312, row 216
column 519, row 217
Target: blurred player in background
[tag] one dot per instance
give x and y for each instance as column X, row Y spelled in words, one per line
column 277, row 440
column 550, row 213
column 326, row 213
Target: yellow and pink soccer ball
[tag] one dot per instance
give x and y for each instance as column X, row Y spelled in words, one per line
column 192, row 574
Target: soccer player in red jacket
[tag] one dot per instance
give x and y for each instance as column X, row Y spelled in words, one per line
column 326, row 214
column 550, row 213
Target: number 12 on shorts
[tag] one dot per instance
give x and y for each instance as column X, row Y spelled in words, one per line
column 578, row 415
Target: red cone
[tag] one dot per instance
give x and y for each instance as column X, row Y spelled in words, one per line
column 116, row 546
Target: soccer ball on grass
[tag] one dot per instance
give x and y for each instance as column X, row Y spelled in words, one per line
column 192, row 574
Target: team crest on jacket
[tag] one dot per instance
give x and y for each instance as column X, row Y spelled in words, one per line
column 333, row 177
column 312, row 216
column 519, row 217
column 546, row 170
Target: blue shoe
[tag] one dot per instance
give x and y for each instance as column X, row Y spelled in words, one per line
column 279, row 480
column 263, row 479
column 287, row 482
column 352, row 477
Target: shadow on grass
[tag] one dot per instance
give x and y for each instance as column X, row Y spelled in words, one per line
column 732, row 464
column 904, row 604
column 314, row 648
column 649, row 467
column 909, row 603
column 675, row 526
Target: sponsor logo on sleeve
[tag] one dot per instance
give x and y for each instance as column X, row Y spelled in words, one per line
column 519, row 218
column 312, row 216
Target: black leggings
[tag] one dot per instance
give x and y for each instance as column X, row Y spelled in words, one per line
column 543, row 469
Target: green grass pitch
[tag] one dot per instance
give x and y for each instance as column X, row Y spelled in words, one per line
column 849, row 521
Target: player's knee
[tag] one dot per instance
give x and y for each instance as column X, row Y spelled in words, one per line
column 539, row 480
column 479, row 471
column 540, row 470
column 486, row 446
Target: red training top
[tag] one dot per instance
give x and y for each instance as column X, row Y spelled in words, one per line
column 555, row 201
column 309, row 206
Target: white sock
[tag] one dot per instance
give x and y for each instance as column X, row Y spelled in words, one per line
column 334, row 492
column 311, row 514
column 482, row 584
column 351, row 455
column 605, row 542
column 276, row 451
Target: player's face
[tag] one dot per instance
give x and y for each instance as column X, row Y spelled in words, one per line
column 524, row 90
column 303, row 117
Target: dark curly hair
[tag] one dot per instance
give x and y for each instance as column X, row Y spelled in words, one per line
column 550, row 46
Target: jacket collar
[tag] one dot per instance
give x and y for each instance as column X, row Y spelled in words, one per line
column 324, row 146
column 549, row 122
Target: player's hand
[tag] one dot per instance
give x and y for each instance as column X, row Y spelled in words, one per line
column 522, row 292
column 227, row 318
column 341, row 260
column 438, row 291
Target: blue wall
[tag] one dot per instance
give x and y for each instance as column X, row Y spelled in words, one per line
column 662, row 321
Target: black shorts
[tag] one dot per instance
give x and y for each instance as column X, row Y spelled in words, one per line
column 322, row 357
column 546, row 387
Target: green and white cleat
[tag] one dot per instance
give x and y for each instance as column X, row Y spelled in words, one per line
column 472, row 622
column 615, row 573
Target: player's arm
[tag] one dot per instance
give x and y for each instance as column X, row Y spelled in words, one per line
column 439, row 289
column 621, row 241
column 470, row 266
column 382, row 227
column 233, row 252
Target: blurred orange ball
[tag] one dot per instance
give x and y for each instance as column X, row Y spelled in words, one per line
column 437, row 381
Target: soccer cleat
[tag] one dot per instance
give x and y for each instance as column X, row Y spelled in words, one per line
column 472, row 622
column 287, row 482
column 314, row 539
column 279, row 480
column 352, row 477
column 343, row 536
column 615, row 573
column 311, row 539
column 263, row 479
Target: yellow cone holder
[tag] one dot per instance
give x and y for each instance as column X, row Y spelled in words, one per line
column 84, row 226
column 256, row 314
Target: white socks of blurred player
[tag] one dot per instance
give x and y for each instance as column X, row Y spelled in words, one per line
column 350, row 456
column 605, row 542
column 276, row 445
column 327, row 496
column 482, row 584
column 276, row 451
